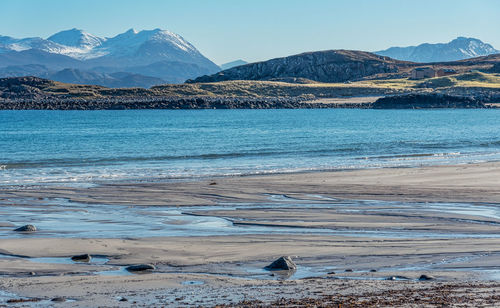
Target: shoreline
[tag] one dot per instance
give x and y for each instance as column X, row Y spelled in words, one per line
column 228, row 269
column 468, row 182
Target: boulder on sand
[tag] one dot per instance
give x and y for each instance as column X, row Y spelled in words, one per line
column 140, row 267
column 426, row 277
column 284, row 263
column 82, row 258
column 26, row 228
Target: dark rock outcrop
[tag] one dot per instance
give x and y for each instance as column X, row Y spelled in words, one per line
column 26, row 228
column 423, row 101
column 53, row 103
column 323, row 66
column 495, row 68
column 284, row 263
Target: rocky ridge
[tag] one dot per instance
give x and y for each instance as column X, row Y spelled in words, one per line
column 322, row 66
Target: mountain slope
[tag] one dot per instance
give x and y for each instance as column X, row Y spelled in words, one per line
column 232, row 64
column 323, row 66
column 458, row 49
column 113, row 80
column 37, row 56
column 128, row 52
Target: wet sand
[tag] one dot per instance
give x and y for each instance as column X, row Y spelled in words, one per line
column 320, row 219
column 460, row 183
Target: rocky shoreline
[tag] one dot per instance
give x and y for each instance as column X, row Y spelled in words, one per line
column 426, row 101
column 31, row 93
column 158, row 103
column 406, row 101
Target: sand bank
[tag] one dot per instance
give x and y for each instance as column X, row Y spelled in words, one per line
column 458, row 244
column 458, row 183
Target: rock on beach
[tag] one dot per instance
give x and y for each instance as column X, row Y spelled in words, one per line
column 140, row 267
column 282, row 263
column 26, row 228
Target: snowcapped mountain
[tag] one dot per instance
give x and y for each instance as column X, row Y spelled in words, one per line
column 458, row 49
column 177, row 59
column 8, row 43
column 138, row 48
column 76, row 38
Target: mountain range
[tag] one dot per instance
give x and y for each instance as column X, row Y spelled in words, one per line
column 153, row 57
column 134, row 58
column 458, row 49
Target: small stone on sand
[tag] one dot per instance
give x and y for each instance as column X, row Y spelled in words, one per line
column 140, row 267
column 82, row 258
column 26, row 228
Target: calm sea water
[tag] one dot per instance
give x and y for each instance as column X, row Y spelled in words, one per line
column 93, row 146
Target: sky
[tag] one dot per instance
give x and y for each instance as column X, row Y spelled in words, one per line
column 256, row 30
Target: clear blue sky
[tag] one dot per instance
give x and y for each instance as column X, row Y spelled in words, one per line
column 225, row 30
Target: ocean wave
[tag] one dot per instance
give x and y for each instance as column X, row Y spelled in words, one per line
column 410, row 156
column 77, row 162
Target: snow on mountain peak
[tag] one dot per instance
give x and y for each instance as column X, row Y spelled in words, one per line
column 79, row 44
column 153, row 54
column 175, row 39
column 457, row 49
column 155, row 42
column 76, row 38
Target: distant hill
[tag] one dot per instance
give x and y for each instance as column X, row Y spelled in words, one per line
column 162, row 54
column 323, row 66
column 113, row 80
column 76, row 76
column 458, row 49
column 232, row 64
column 468, row 90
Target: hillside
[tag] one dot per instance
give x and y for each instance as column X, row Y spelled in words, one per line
column 340, row 66
column 322, row 66
column 32, row 92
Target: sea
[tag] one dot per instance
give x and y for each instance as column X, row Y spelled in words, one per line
column 92, row 147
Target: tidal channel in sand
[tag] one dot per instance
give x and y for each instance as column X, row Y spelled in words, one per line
column 220, row 236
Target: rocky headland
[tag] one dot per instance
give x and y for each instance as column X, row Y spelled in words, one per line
column 322, row 66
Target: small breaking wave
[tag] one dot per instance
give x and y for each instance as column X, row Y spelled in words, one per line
column 411, row 156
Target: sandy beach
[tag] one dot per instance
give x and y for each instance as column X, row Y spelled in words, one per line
column 358, row 237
